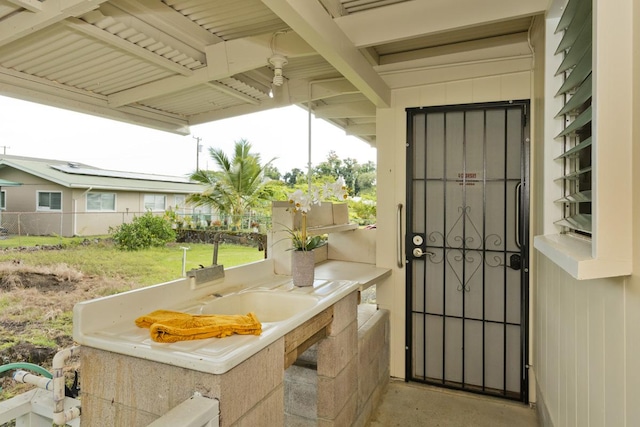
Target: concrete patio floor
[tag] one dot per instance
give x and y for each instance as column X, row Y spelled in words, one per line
column 413, row 404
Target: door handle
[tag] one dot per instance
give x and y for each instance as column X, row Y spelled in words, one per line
column 417, row 252
column 399, row 241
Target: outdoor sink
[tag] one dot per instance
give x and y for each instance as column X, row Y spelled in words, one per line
column 268, row 306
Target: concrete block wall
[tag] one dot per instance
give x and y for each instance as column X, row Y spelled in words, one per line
column 373, row 359
column 337, row 365
column 250, row 394
column 350, row 387
column 301, row 394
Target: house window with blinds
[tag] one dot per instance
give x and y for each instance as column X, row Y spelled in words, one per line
column 576, row 71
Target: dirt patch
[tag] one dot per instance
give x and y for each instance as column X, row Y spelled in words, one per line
column 27, row 352
column 43, row 282
column 36, row 306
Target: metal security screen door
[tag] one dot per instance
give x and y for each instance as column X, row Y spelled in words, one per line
column 467, row 249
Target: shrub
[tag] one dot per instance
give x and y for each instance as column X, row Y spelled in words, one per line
column 143, row 232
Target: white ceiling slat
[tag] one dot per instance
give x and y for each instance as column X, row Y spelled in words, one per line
column 53, row 65
column 29, row 46
column 169, row 85
column 251, row 30
column 116, row 41
column 146, row 42
column 190, row 8
column 232, row 92
column 97, row 72
column 31, row 66
column 360, row 5
column 158, row 29
column 217, row 20
column 168, row 52
column 133, row 79
column 83, row 64
column 23, row 24
column 128, row 33
column 12, row 58
column 168, row 20
column 146, row 74
column 314, row 25
column 136, row 38
column 334, row 7
column 56, row 95
column 104, row 22
column 116, row 28
column 154, row 47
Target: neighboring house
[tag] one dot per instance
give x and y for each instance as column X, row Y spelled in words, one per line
column 69, row 198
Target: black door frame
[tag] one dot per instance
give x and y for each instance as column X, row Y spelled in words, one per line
column 523, row 235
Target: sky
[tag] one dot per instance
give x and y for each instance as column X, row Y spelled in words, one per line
column 35, row 130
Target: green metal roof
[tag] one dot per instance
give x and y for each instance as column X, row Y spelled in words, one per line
column 78, row 175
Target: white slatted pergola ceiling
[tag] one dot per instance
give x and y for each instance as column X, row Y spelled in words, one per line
column 174, row 63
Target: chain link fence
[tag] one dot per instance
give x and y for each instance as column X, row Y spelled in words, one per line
column 99, row 223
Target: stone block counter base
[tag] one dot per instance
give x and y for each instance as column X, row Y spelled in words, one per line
column 359, row 379
column 124, row 390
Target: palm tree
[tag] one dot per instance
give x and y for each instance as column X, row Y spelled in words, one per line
column 238, row 186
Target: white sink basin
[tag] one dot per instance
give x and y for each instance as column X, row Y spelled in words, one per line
column 268, row 306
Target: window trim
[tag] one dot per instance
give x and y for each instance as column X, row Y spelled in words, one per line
column 609, row 252
column 144, row 203
column 115, row 199
column 45, row 208
column 180, row 207
column 3, row 198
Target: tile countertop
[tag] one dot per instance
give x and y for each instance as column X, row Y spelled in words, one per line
column 108, row 323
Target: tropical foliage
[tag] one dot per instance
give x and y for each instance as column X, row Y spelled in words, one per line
column 239, row 184
column 242, row 185
column 143, row 232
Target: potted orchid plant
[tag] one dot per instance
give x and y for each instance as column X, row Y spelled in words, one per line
column 302, row 202
column 303, row 244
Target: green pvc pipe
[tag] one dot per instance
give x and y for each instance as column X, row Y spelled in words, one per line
column 28, row 366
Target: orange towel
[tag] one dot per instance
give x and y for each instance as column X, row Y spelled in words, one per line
column 173, row 326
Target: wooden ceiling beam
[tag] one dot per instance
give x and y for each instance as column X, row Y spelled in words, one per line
column 345, row 109
column 406, row 20
column 223, row 60
column 311, row 21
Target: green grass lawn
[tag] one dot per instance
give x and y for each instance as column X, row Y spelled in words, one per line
column 146, row 267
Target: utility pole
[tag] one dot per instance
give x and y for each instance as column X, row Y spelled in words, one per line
column 4, row 149
column 198, row 148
